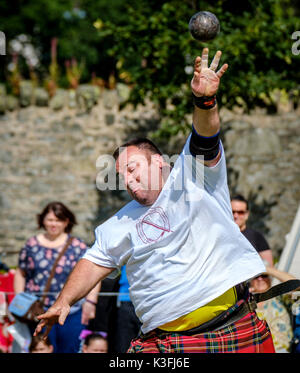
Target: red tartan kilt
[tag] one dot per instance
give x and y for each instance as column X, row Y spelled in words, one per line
column 248, row 335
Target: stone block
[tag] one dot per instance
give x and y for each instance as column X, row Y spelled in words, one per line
column 58, row 101
column 12, row 103
column 41, row 97
column 72, row 99
column 109, row 119
column 26, row 93
column 123, row 91
column 87, row 96
column 110, row 99
column 2, row 99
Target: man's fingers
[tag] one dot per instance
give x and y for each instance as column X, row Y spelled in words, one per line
column 222, row 70
column 63, row 315
column 47, row 331
column 39, row 327
column 197, row 64
column 45, row 315
column 204, row 58
column 215, row 62
column 45, row 323
column 49, row 318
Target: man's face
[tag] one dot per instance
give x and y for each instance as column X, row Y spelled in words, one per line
column 142, row 174
column 240, row 213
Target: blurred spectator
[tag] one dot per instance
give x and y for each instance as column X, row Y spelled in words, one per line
column 240, row 211
column 36, row 260
column 94, row 342
column 6, row 296
column 3, row 267
column 40, row 345
column 296, row 326
column 275, row 310
column 106, row 312
column 128, row 324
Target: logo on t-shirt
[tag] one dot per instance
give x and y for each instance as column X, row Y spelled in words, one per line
column 153, row 225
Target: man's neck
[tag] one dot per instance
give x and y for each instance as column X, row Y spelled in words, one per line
column 243, row 228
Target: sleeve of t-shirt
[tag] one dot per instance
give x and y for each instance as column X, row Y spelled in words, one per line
column 98, row 254
column 261, row 243
column 209, row 177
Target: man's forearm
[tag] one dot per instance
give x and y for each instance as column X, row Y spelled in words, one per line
column 92, row 296
column 84, row 277
column 206, row 122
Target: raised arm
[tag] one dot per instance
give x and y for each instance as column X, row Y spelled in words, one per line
column 206, row 122
column 84, row 277
column 280, row 275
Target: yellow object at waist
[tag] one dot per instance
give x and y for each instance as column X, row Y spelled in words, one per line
column 203, row 314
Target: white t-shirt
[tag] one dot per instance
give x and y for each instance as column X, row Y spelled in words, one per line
column 183, row 251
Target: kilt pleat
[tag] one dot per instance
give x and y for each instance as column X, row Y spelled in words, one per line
column 247, row 335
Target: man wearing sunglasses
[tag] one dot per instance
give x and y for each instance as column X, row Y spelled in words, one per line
column 240, row 211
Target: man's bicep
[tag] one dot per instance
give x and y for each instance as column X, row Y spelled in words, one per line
column 96, row 271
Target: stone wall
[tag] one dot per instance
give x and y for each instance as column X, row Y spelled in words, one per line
column 263, row 164
column 49, row 153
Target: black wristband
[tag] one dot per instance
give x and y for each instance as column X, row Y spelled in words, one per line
column 209, row 147
column 205, row 102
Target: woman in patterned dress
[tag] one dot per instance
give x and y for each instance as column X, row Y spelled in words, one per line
column 36, row 260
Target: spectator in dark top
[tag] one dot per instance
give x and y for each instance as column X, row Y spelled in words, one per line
column 240, row 211
column 106, row 312
column 128, row 324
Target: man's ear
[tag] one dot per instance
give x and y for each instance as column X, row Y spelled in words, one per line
column 247, row 215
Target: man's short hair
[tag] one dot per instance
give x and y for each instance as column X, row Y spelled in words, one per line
column 239, row 197
column 141, row 143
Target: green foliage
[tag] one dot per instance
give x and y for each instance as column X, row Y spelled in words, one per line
column 147, row 45
column 154, row 47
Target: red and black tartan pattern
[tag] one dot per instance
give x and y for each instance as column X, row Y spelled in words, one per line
column 247, row 335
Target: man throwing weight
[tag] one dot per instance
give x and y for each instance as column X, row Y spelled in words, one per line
column 187, row 262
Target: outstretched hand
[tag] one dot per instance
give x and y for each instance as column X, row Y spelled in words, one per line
column 206, row 80
column 55, row 314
